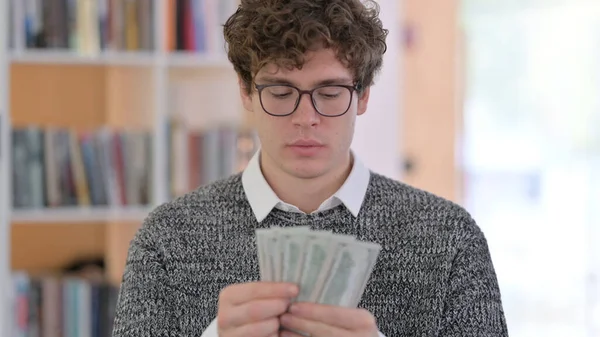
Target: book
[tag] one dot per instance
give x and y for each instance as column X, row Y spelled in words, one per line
column 202, row 156
column 84, row 26
column 62, row 304
column 57, row 167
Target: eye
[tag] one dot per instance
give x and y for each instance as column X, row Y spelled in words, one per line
column 280, row 91
column 330, row 92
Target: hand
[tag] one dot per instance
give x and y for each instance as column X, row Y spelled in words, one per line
column 318, row 320
column 253, row 309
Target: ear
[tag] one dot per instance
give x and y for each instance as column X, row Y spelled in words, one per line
column 363, row 101
column 246, row 98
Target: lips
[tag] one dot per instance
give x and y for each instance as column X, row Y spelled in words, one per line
column 306, row 143
column 306, row 148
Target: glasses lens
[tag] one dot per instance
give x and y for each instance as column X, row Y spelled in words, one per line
column 279, row 99
column 332, row 100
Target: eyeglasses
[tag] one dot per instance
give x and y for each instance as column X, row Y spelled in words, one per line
column 282, row 99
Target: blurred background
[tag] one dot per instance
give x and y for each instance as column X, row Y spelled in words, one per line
column 111, row 107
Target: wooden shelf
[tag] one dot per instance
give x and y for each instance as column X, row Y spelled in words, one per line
column 49, row 241
column 52, row 246
column 80, row 215
column 197, row 60
column 65, row 96
column 181, row 59
column 81, row 97
column 67, row 57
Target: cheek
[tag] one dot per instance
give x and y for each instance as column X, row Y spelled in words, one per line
column 349, row 131
column 268, row 128
column 340, row 131
column 258, row 116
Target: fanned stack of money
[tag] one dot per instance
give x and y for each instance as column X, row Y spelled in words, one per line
column 329, row 268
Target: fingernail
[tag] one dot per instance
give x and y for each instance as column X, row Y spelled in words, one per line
column 285, row 319
column 293, row 290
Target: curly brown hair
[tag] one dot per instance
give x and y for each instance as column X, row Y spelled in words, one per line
column 282, row 31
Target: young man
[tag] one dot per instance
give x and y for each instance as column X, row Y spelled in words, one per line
column 305, row 69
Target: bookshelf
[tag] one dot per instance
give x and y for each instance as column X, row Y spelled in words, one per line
column 100, row 123
column 181, row 100
column 5, row 244
column 50, row 57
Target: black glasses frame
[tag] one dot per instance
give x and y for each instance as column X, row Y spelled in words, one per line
column 351, row 88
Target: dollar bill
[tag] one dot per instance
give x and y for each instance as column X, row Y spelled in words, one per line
column 329, row 268
column 338, row 244
column 316, row 263
column 347, row 275
column 261, row 247
column 274, row 254
column 267, row 241
column 293, row 242
column 373, row 250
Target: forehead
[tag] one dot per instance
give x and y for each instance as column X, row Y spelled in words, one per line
column 321, row 66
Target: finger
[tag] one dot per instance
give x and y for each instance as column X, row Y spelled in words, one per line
column 345, row 318
column 268, row 327
column 251, row 312
column 245, row 292
column 311, row 328
column 290, row 333
column 287, row 333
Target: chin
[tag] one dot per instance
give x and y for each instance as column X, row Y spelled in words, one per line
column 306, row 170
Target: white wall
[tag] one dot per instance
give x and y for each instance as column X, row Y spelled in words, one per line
column 376, row 139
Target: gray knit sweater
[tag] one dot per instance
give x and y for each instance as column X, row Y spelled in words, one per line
column 434, row 275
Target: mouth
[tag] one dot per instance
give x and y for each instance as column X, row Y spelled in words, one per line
column 306, row 147
column 306, row 143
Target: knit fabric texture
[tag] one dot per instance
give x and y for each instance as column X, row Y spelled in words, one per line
column 434, row 275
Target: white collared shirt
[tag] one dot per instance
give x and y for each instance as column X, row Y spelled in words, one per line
column 263, row 199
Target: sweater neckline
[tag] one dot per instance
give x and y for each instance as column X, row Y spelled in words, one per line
column 337, row 213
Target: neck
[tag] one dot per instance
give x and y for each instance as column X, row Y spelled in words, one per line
column 305, row 193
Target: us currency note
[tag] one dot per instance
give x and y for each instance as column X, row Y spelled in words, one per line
column 261, row 247
column 316, row 262
column 336, row 243
column 293, row 242
column 329, row 268
column 346, row 275
column 267, row 241
column 373, row 250
column 274, row 254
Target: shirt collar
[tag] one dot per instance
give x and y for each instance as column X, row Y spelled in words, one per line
column 263, row 199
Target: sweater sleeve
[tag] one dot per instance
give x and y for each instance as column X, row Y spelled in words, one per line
column 473, row 306
column 143, row 307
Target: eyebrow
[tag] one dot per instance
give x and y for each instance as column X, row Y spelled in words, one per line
column 329, row 81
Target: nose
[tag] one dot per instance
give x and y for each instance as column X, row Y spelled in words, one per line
column 305, row 114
